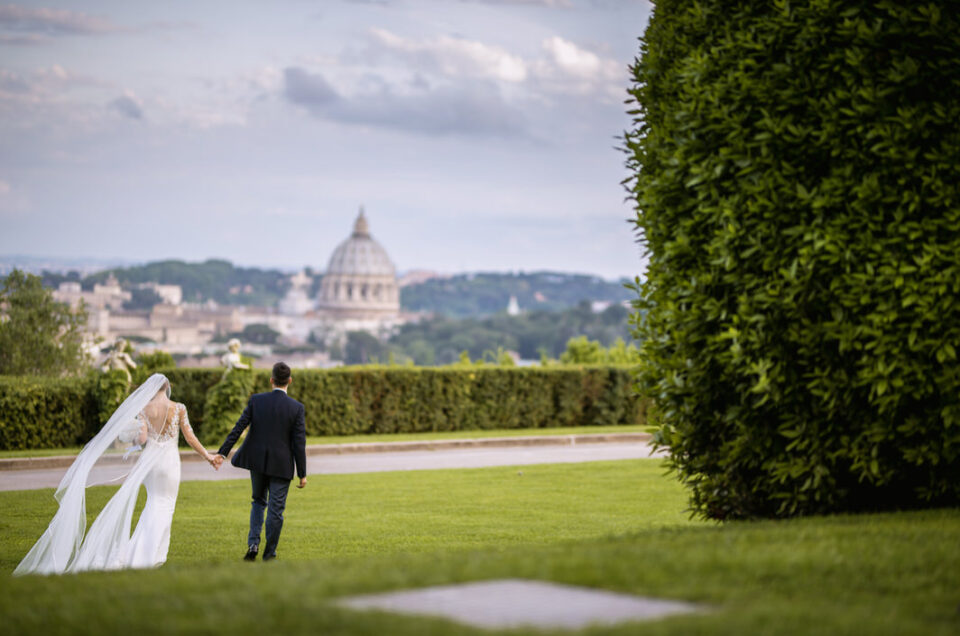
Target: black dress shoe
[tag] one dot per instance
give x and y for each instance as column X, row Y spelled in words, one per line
column 269, row 558
column 251, row 554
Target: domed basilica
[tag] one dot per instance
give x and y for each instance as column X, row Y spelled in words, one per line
column 358, row 292
column 360, row 282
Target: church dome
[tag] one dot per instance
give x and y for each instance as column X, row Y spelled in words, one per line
column 360, row 281
column 360, row 254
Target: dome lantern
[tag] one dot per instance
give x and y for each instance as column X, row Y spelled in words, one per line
column 361, row 229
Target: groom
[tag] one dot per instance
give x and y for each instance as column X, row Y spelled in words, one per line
column 276, row 440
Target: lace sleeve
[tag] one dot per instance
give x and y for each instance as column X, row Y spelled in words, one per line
column 184, row 420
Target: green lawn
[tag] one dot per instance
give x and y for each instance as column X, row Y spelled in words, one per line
column 396, row 437
column 615, row 525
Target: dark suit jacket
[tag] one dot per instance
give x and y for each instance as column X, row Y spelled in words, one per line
column 277, row 437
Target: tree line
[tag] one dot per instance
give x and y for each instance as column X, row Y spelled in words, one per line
column 463, row 296
column 533, row 335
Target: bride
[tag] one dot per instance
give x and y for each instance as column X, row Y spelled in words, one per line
column 147, row 419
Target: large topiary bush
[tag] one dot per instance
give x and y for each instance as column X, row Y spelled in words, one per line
column 796, row 174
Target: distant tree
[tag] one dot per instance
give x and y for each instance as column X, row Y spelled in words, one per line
column 528, row 334
column 150, row 363
column 486, row 294
column 142, row 298
column 213, row 279
column 38, row 336
column 582, row 350
column 258, row 334
column 53, row 279
column 316, row 342
column 363, row 348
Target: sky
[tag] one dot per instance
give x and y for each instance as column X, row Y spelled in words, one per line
column 479, row 135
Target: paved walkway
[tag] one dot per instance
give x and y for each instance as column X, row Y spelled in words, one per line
column 475, row 453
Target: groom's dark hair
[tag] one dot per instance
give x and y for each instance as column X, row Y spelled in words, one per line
column 281, row 374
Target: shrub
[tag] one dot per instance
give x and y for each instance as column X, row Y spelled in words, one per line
column 582, row 350
column 798, row 191
column 40, row 412
column 223, row 406
column 150, row 363
column 112, row 388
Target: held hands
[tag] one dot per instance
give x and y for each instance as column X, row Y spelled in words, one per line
column 215, row 460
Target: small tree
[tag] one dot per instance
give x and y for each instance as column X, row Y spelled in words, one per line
column 38, row 336
column 582, row 350
column 363, row 348
column 224, row 404
column 150, row 363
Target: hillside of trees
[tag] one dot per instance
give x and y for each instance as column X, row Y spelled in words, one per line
column 533, row 334
column 462, row 296
column 214, row 279
column 484, row 294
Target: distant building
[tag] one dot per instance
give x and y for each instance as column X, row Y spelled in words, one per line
column 297, row 301
column 359, row 290
column 177, row 328
column 107, row 296
column 513, row 307
column 170, row 294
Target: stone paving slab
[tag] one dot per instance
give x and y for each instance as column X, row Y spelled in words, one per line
column 512, row 603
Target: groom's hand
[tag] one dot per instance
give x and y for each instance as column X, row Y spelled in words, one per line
column 303, row 482
column 217, row 461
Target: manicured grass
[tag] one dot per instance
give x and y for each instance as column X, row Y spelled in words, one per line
column 397, row 437
column 615, row 525
column 376, row 513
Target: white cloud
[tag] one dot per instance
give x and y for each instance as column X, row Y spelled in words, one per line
column 569, row 68
column 551, row 4
column 472, row 108
column 449, row 56
column 561, row 67
column 573, row 60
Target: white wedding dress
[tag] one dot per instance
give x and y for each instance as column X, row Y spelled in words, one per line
column 108, row 544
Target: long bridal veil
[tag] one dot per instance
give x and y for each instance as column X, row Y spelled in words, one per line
column 60, row 546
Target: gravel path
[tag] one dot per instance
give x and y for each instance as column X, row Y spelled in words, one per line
column 476, row 457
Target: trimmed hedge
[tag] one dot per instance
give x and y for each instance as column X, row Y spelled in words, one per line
column 797, row 185
column 359, row 401
column 47, row 412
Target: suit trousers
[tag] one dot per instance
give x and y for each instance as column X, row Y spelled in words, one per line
column 276, row 488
